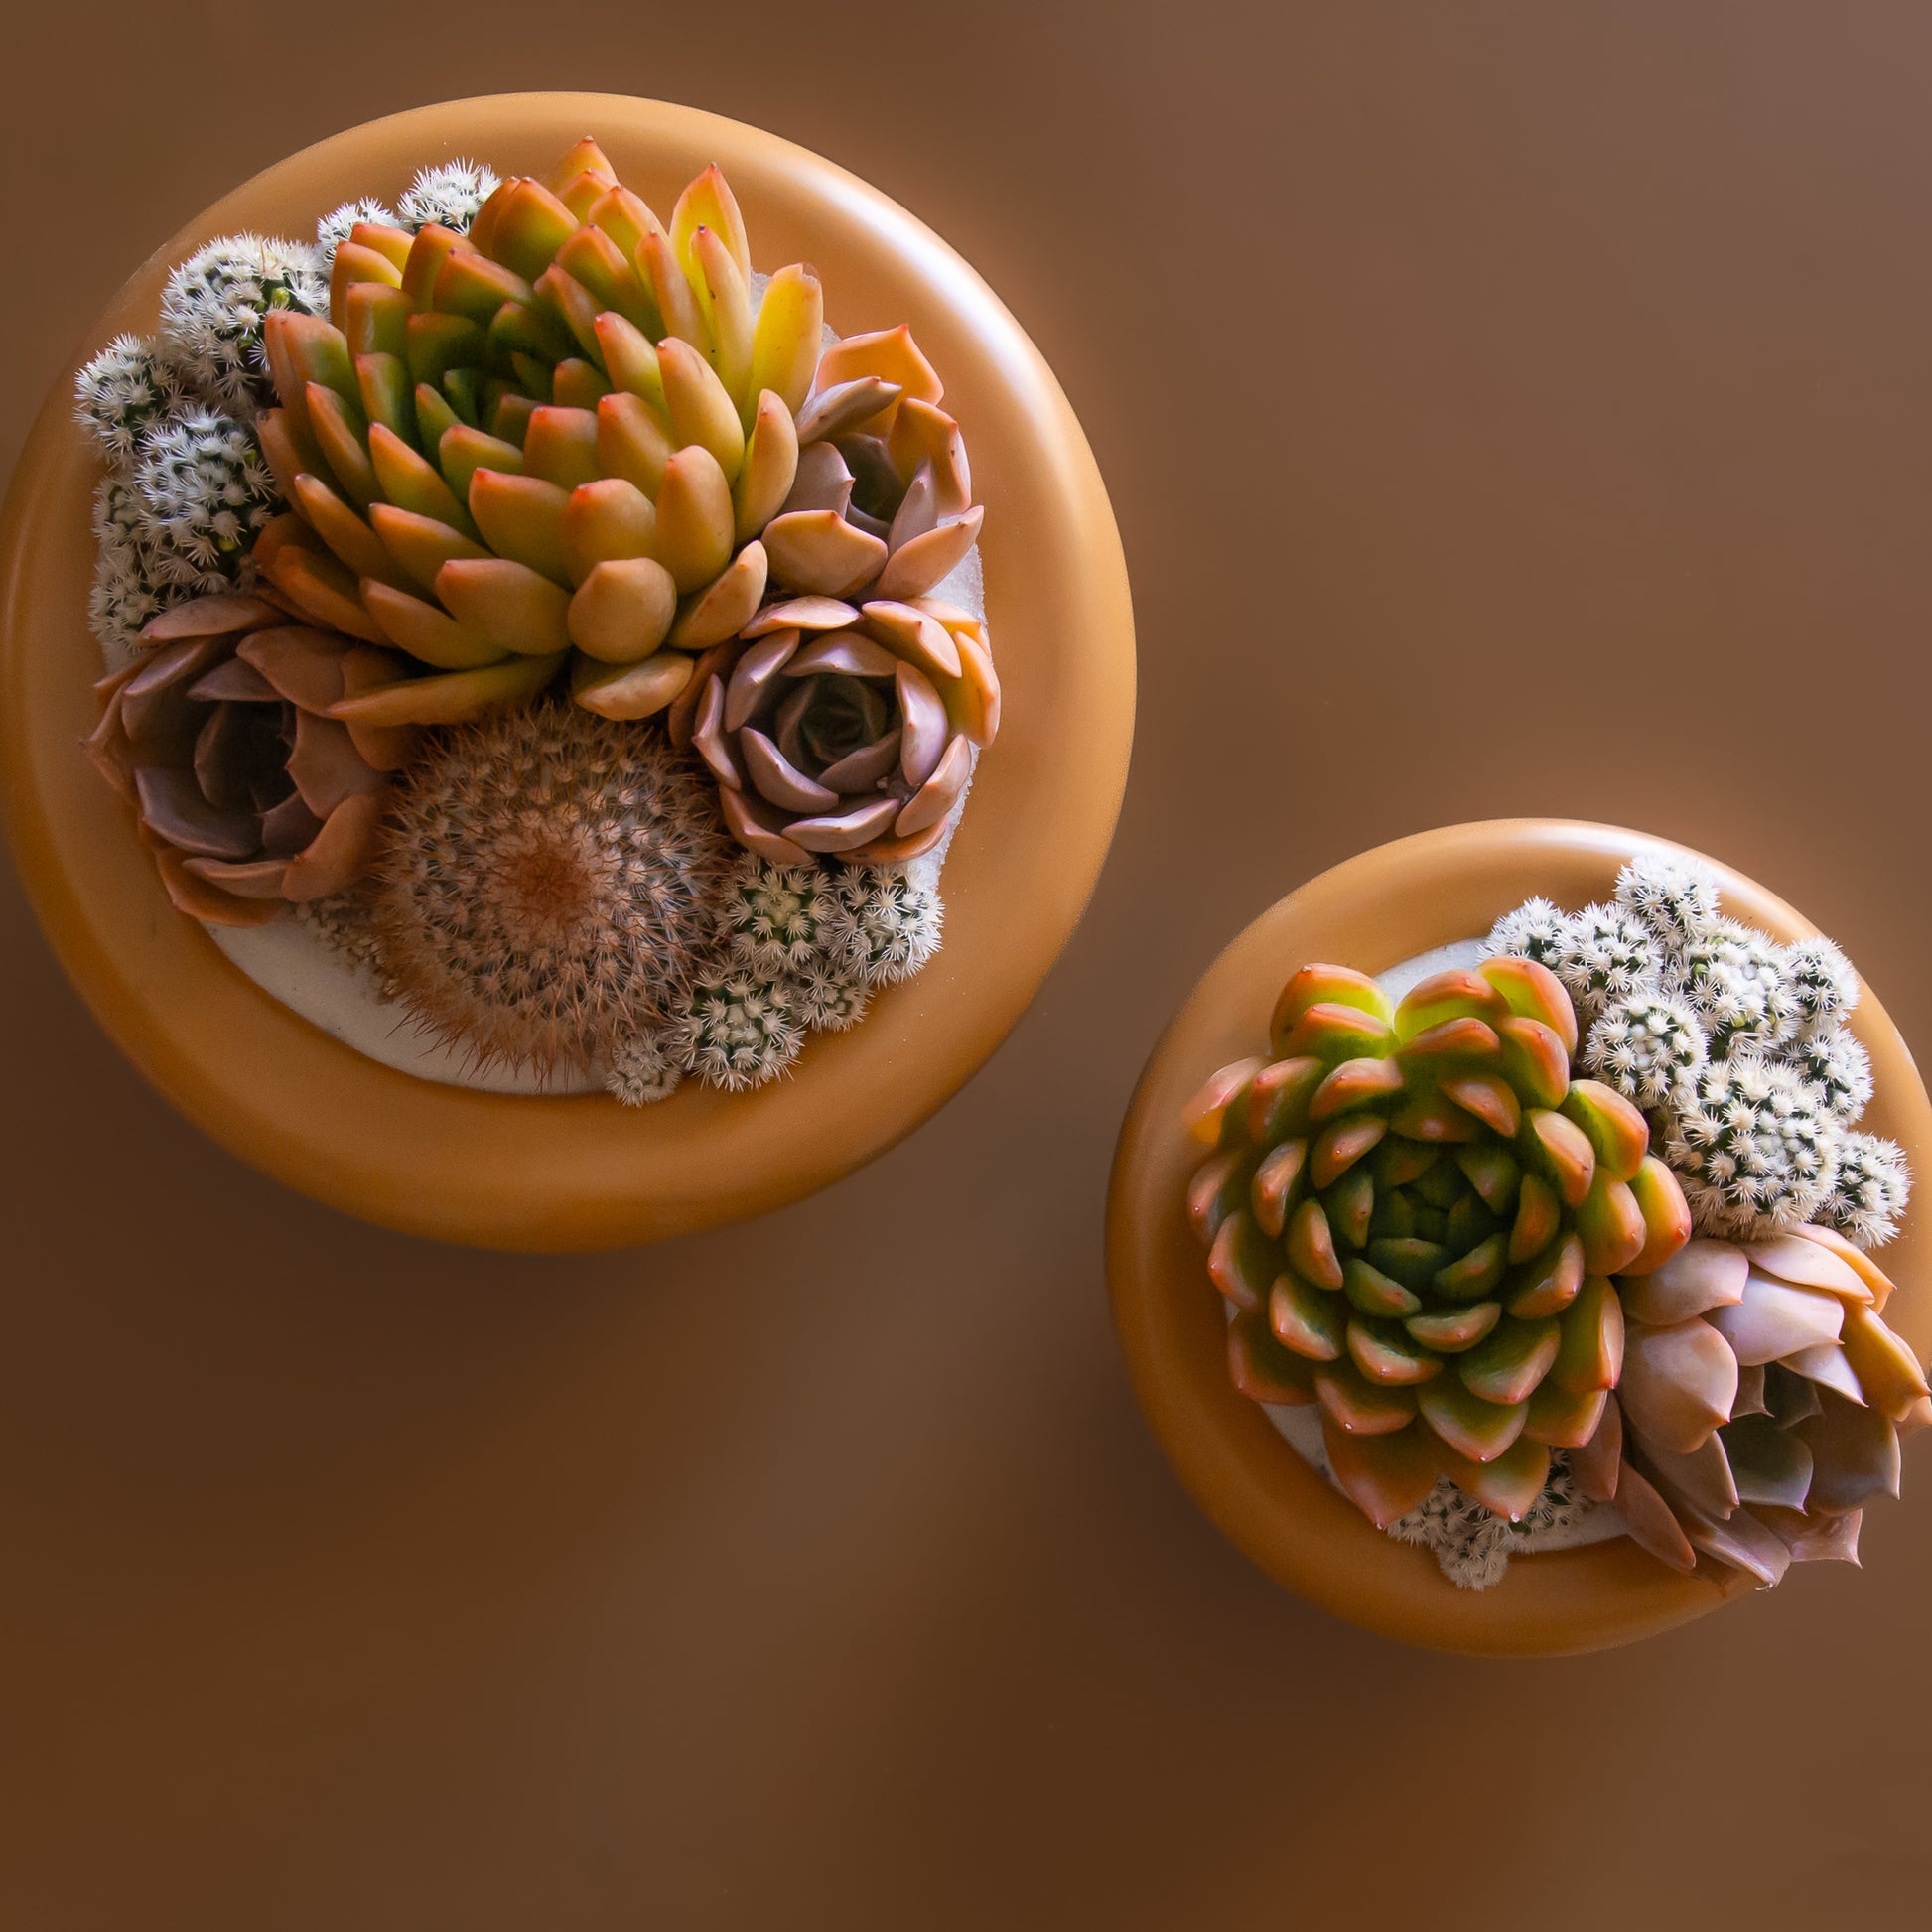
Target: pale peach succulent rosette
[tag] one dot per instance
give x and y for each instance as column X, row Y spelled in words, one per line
column 1761, row 1405
column 847, row 717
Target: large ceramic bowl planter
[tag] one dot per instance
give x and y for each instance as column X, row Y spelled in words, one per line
column 1375, row 912
column 549, row 1171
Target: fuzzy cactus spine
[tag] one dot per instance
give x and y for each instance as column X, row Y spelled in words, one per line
column 738, row 1029
column 1872, row 1181
column 645, row 1070
column 887, row 920
column 446, row 196
column 1752, row 1147
column 1674, row 900
column 213, row 305
column 1647, row 1044
column 127, row 388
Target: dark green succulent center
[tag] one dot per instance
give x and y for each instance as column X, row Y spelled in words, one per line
column 1418, row 1227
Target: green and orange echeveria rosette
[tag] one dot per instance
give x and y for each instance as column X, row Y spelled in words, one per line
column 552, row 440
column 1419, row 1218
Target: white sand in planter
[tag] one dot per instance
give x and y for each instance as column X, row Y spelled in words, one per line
column 1302, row 1427
column 291, row 961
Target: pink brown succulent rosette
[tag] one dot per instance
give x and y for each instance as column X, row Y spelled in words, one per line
column 846, row 731
column 250, row 796
column 845, row 720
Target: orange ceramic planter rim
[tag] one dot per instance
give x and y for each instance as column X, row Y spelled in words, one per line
column 1373, row 912
column 580, row 1172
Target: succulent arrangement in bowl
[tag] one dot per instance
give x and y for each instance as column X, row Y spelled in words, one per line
column 546, row 610
column 1573, row 1240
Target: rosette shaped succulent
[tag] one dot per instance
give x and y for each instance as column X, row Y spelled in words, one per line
column 835, row 729
column 1416, row 1214
column 882, row 505
column 218, row 732
column 559, row 433
column 1761, row 1403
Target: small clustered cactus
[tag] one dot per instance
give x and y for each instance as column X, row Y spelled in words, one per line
column 206, row 490
column 1838, row 1067
column 1537, row 929
column 131, row 577
column 645, row 1070
column 186, row 490
column 1869, row 1187
column 216, row 303
column 1751, row 1146
column 776, row 916
column 740, row 1030
column 1674, row 900
column 123, row 391
column 1647, row 1044
column 1607, row 955
column 1738, row 982
column 1821, row 983
column 887, row 921
column 446, row 196
column 800, row 950
column 1734, row 1046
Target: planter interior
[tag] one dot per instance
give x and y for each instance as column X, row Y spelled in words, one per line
column 1372, row 912
column 558, row 1172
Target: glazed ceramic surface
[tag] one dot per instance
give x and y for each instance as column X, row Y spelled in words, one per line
column 559, row 1172
column 1371, row 912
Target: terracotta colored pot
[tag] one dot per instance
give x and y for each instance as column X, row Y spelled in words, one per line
column 552, row 1173
column 1372, row 912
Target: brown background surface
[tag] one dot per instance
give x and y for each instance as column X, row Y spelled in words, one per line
column 1508, row 409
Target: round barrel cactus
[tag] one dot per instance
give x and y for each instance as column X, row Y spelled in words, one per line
column 1415, row 1213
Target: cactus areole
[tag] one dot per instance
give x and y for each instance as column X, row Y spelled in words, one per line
column 1419, row 1218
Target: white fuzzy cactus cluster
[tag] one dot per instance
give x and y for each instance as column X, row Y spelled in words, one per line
column 340, row 222
column 446, row 196
column 187, row 490
column 205, row 490
column 127, row 388
column 1736, row 1048
column 213, row 305
column 800, row 950
column 131, row 580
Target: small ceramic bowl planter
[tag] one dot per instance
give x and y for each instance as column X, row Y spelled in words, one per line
column 544, row 653
column 1504, row 1236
